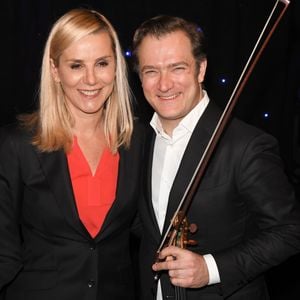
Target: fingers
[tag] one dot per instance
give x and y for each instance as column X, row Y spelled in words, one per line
column 171, row 251
column 169, row 259
column 185, row 268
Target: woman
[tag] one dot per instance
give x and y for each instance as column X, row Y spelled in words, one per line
column 69, row 174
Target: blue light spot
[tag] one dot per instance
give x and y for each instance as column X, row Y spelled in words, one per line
column 223, row 81
column 128, row 53
column 266, row 115
column 199, row 29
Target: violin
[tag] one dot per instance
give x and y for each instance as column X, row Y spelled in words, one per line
column 179, row 237
column 182, row 240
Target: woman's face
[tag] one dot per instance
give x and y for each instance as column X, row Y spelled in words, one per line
column 86, row 72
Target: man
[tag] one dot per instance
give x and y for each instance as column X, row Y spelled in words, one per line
column 245, row 209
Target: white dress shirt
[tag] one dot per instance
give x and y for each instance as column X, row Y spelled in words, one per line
column 168, row 152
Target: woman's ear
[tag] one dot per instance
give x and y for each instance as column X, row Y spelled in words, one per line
column 54, row 71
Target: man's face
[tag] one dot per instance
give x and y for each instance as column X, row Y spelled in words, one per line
column 170, row 80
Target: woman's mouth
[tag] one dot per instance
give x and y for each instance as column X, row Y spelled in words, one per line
column 89, row 92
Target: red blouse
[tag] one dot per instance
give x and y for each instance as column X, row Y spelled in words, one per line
column 94, row 194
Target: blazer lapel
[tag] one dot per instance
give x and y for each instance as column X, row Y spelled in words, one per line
column 61, row 186
column 191, row 158
column 119, row 202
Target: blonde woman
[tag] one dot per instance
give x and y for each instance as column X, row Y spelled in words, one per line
column 69, row 173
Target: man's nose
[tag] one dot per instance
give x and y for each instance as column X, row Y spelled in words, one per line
column 165, row 81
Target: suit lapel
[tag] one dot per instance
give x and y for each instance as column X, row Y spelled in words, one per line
column 146, row 210
column 61, row 186
column 191, row 158
column 148, row 184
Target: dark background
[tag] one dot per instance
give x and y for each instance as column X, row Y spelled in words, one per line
column 231, row 27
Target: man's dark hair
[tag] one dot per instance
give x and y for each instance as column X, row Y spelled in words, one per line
column 162, row 25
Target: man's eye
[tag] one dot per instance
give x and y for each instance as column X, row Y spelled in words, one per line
column 179, row 69
column 149, row 72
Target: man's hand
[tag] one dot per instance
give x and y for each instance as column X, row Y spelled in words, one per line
column 186, row 268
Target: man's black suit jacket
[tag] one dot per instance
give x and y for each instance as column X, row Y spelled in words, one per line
column 245, row 210
column 45, row 251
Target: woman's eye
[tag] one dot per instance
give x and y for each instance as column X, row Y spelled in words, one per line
column 102, row 64
column 75, row 66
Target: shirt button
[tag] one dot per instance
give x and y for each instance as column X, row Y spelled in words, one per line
column 92, row 246
column 91, row 283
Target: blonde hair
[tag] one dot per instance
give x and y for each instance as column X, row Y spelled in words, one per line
column 53, row 122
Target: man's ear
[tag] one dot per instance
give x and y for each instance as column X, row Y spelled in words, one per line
column 202, row 70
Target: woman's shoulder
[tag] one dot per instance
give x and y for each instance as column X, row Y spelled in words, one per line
column 14, row 133
column 137, row 138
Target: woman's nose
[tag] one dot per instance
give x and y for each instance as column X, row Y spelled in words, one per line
column 90, row 77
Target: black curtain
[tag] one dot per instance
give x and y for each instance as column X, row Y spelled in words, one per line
column 231, row 27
